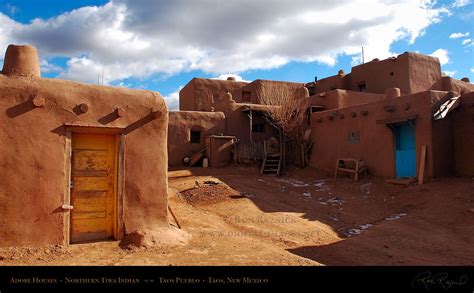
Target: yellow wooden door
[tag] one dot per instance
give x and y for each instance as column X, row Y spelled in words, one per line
column 93, row 187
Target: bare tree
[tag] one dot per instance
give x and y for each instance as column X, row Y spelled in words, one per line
column 293, row 104
column 289, row 116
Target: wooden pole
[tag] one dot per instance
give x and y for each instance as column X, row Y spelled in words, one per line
column 176, row 220
column 421, row 173
column 251, row 124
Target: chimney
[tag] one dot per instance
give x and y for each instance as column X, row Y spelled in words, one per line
column 21, row 61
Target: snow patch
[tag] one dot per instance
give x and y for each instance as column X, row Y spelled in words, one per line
column 357, row 231
column 395, row 217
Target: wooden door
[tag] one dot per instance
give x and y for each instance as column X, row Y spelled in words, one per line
column 93, row 187
column 405, row 156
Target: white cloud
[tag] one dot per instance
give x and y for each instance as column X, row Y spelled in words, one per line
column 226, row 75
column 466, row 41
column 472, row 70
column 47, row 67
column 461, row 3
column 450, row 73
column 442, row 55
column 125, row 38
column 172, row 100
column 458, row 35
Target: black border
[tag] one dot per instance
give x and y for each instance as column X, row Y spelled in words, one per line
column 333, row 279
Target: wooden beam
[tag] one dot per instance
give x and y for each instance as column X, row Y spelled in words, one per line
column 421, row 173
column 397, row 119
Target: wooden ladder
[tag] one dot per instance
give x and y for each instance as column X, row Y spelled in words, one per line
column 271, row 164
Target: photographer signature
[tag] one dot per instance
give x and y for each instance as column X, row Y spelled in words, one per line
column 429, row 280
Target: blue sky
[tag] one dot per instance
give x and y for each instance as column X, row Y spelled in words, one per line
column 161, row 45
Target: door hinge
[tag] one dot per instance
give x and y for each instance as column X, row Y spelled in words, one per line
column 71, row 184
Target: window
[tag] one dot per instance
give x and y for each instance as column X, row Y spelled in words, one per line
column 258, row 128
column 361, row 87
column 246, row 96
column 353, row 137
column 195, row 136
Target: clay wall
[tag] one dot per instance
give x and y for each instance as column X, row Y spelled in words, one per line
column 181, row 123
column 329, row 83
column 410, row 72
column 341, row 98
column 463, row 136
column 376, row 144
column 423, row 72
column 201, row 93
column 447, row 83
column 34, row 161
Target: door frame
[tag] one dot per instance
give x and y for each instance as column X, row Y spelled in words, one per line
column 120, row 176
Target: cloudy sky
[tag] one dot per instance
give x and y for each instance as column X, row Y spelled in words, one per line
column 162, row 44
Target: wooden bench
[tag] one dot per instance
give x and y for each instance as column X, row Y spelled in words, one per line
column 351, row 165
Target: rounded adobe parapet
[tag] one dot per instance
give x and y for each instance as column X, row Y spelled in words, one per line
column 21, row 61
column 392, row 92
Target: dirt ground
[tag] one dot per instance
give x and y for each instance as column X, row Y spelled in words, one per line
column 239, row 217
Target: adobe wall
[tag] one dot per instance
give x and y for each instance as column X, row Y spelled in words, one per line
column 423, row 72
column 200, row 93
column 186, row 97
column 33, row 158
column 410, row 72
column 237, row 123
column 219, row 150
column 377, row 143
column 380, row 75
column 328, row 84
column 180, row 125
column 341, row 98
column 270, row 86
column 443, row 149
column 447, row 83
column 463, row 136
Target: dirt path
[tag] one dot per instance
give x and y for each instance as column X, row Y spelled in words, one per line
column 301, row 218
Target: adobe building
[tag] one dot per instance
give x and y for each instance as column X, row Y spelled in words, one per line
column 383, row 111
column 386, row 112
column 410, row 72
column 78, row 162
column 188, row 131
column 216, row 112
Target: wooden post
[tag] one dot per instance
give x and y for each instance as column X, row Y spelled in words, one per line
column 251, row 122
column 356, row 176
column 421, row 173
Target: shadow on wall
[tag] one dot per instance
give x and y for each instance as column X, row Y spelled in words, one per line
column 20, row 109
column 108, row 118
column 61, row 130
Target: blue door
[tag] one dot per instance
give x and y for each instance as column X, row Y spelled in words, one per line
column 405, row 157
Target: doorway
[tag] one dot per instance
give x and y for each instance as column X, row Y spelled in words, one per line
column 405, row 154
column 93, row 187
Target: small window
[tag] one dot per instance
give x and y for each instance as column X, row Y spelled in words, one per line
column 246, row 96
column 361, row 87
column 258, row 128
column 195, row 136
column 353, row 137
